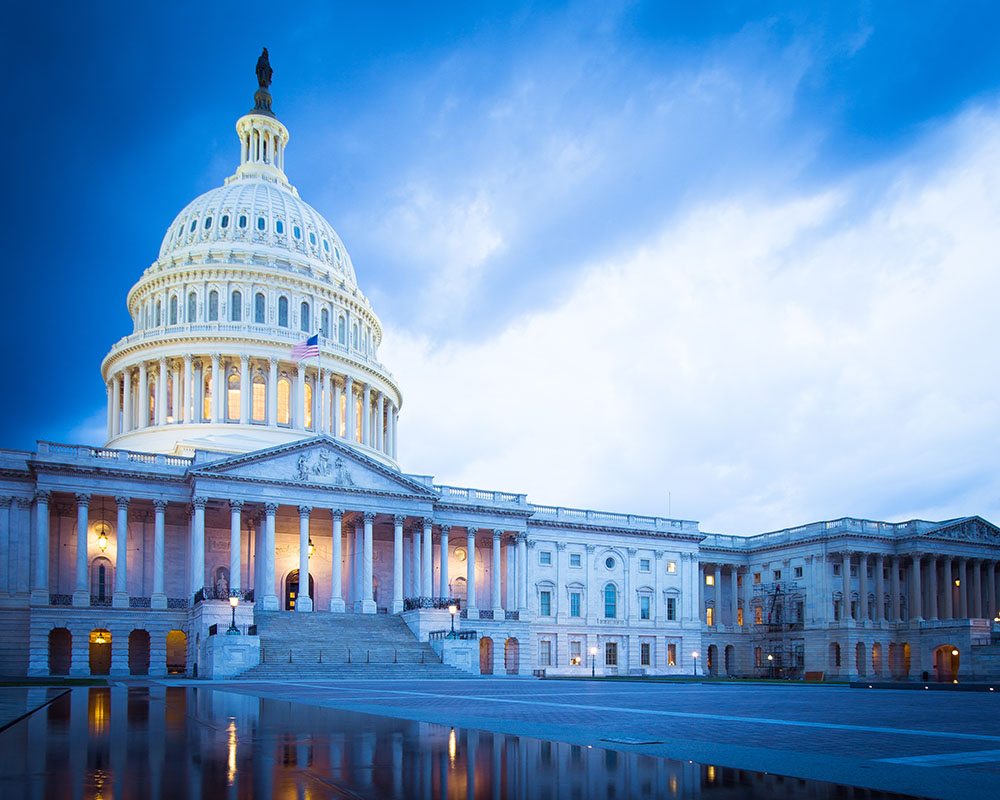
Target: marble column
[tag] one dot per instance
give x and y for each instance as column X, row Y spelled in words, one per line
column 269, row 598
column 498, row 614
column 336, row 567
column 357, row 571
column 187, row 412
column 81, row 593
column 963, row 589
column 368, row 599
column 272, row 392
column 336, row 409
column 948, row 583
column 522, row 573
column 415, row 540
column 161, row 393
column 976, row 589
column 350, row 426
column 470, row 574
column 845, row 574
column 716, row 591
column 198, row 545
column 993, row 607
column 159, row 598
column 127, row 416
column 366, row 413
column 304, row 602
column 143, row 389
column 932, row 590
column 397, row 561
column 120, row 597
column 445, row 578
column 916, row 591
column 235, row 541
column 879, row 589
column 299, row 406
column 216, row 403
column 246, row 390
column 734, row 597
column 894, row 586
column 40, row 589
column 116, row 400
column 380, row 424
column 862, row 586
column 427, row 560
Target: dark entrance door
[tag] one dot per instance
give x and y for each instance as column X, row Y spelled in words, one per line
column 292, row 589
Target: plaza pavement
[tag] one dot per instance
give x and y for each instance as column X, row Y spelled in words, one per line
column 933, row 744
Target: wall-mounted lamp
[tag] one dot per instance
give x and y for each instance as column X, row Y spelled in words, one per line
column 312, row 547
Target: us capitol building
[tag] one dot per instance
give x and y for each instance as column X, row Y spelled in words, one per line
column 247, row 514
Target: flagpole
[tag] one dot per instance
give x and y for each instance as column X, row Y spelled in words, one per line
column 319, row 377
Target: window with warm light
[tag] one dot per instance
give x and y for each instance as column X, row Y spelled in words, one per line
column 671, row 655
column 671, row 567
column 739, row 616
column 233, row 398
column 756, row 577
column 284, row 404
column 575, row 657
column 709, row 616
column 710, row 580
column 342, row 431
column 758, row 615
column 206, row 406
column 357, row 419
column 152, row 403
column 259, row 399
column 308, row 406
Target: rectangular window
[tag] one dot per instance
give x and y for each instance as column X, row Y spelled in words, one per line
column 757, row 657
column 544, row 653
column 644, row 654
column 739, row 580
column 800, row 611
column 671, row 655
column 671, row 567
column 611, row 654
column 709, row 616
column 710, row 580
column 854, row 609
column 545, row 604
column 574, row 604
column 643, row 565
column 739, row 616
column 798, row 572
column 836, row 569
column 545, row 557
column 575, row 657
column 644, row 607
column 758, row 615
column 671, row 608
column 756, row 577
column 777, row 574
column 854, row 571
column 574, row 559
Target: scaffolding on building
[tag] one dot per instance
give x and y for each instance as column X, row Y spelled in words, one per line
column 778, row 647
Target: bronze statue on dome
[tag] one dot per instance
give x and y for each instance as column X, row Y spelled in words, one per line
column 264, row 71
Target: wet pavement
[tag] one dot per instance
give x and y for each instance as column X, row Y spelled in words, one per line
column 162, row 741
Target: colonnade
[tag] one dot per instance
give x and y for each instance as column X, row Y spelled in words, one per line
column 245, row 390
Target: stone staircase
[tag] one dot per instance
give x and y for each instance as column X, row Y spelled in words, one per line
column 326, row 645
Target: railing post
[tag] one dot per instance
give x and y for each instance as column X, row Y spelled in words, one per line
column 368, row 656
column 321, row 656
column 348, row 655
column 289, row 655
column 395, row 656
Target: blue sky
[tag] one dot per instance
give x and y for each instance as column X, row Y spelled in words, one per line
column 743, row 257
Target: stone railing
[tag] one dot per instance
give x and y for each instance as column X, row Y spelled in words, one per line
column 60, row 599
column 107, row 454
column 411, row 603
column 467, row 495
column 584, row 515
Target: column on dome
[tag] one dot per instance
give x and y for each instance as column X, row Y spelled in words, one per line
column 862, row 586
column 368, row 596
column 235, row 539
column 81, row 593
column 270, row 599
column 394, row 421
column 366, row 413
column 337, row 567
column 948, row 584
column 159, row 598
column 187, row 412
column 963, row 589
column 108, row 404
column 116, row 390
column 143, row 420
column 470, row 573
column 380, row 424
column 198, row 545
column 445, row 577
column 40, row 589
column 350, row 425
column 127, row 421
column 304, row 602
column 272, row 392
column 336, row 394
column 427, row 560
column 324, row 401
column 245, row 389
column 216, row 392
column 198, row 407
column 496, row 582
column 177, row 394
column 120, row 597
column 161, row 393
column 879, row 588
column 299, row 409
column 397, row 563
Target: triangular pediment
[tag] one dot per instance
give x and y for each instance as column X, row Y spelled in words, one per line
column 967, row 529
column 320, row 462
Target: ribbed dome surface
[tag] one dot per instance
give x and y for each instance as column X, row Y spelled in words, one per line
column 258, row 213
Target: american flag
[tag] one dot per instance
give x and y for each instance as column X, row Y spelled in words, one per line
column 307, row 349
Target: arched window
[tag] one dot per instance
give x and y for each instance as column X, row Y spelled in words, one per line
column 192, row 307
column 308, row 410
column 151, row 388
column 324, row 322
column 259, row 307
column 213, row 305
column 284, row 392
column 342, row 330
column 233, row 397
column 610, row 601
column 283, row 312
column 101, row 584
column 259, row 398
column 236, row 307
column 357, row 419
column 206, row 410
column 173, row 310
column 304, row 317
column 159, row 314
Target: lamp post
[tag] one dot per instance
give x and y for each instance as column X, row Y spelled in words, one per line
column 593, row 662
column 770, row 666
column 452, row 609
column 234, row 600
column 694, row 658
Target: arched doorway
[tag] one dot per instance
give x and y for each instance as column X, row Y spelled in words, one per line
column 876, row 659
column 176, row 653
column 101, row 580
column 138, row 652
column 458, row 590
column 946, row 662
column 60, row 651
column 713, row 659
column 834, row 661
column 486, row 656
column 730, row 659
column 100, row 651
column 511, row 653
column 906, row 660
column 861, row 658
column 292, row 589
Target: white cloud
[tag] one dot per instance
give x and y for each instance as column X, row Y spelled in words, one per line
column 768, row 362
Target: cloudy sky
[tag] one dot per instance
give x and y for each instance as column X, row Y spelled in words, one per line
column 739, row 266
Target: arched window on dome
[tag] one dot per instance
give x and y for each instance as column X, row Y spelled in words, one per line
column 233, row 398
column 194, row 224
column 312, row 238
column 206, row 379
column 192, row 307
column 224, row 221
column 342, row 330
column 357, row 418
column 279, row 226
column 173, row 309
column 151, row 388
column 243, row 220
column 169, row 410
column 283, row 311
column 296, row 231
column 261, row 223
column 324, row 322
column 304, row 317
column 307, row 410
column 610, row 601
column 258, row 399
column 259, row 308
column 236, row 306
column 284, row 396
column 213, row 306
column 159, row 314
column 208, row 223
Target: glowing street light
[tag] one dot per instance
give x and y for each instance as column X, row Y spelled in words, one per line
column 234, row 600
column 593, row 662
column 770, row 665
column 452, row 609
column 694, row 658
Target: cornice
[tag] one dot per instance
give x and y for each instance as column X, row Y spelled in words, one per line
column 589, row 526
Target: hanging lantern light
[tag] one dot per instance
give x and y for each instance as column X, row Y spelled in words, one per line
column 312, row 547
column 102, row 530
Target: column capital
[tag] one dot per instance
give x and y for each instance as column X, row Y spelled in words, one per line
column 591, row 548
column 369, row 517
column 305, row 511
column 122, row 502
column 632, row 551
column 658, row 555
column 6, row 501
column 560, row 545
column 498, row 533
column 199, row 502
column 273, row 362
column 337, row 513
column 41, row 497
column 445, row 529
column 471, row 532
column 398, row 519
column 159, row 505
column 428, row 521
column 531, row 543
column 82, row 499
column 270, row 509
column 235, row 505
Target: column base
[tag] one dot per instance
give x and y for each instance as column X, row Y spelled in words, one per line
column 158, row 601
column 119, row 672
column 303, row 604
column 155, row 672
column 499, row 615
column 338, row 605
column 39, row 597
column 81, row 599
column 270, row 602
column 472, row 613
column 368, row 607
column 80, row 672
column 120, row 600
column 397, row 606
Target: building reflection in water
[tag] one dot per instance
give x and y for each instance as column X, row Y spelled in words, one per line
column 173, row 742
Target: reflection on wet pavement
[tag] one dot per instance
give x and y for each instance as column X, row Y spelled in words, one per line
column 176, row 742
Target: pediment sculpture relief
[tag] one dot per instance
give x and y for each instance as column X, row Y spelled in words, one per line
column 318, row 466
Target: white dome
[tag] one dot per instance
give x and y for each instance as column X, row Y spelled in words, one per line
column 259, row 213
